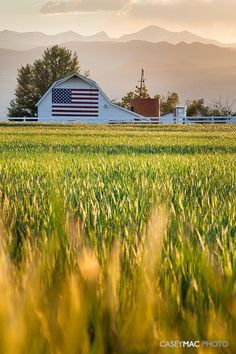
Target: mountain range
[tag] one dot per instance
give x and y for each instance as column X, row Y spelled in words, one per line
column 193, row 70
column 29, row 40
column 184, row 62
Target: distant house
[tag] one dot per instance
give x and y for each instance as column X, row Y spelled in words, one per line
column 76, row 98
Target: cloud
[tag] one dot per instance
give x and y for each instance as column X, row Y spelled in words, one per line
column 195, row 12
column 81, row 6
column 217, row 15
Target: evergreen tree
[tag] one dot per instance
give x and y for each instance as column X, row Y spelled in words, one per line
column 23, row 104
column 34, row 80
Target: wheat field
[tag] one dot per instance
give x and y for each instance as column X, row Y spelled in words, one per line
column 115, row 238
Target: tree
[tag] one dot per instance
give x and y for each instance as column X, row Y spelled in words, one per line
column 24, row 103
column 34, row 80
column 125, row 101
column 197, row 108
column 168, row 103
column 217, row 109
column 131, row 95
column 141, row 92
column 220, row 109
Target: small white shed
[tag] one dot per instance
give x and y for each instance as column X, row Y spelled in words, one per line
column 76, row 98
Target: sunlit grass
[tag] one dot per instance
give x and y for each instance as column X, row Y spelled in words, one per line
column 116, row 238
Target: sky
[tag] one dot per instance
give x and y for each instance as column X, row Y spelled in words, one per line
column 214, row 19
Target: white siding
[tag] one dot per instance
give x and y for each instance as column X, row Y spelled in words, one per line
column 45, row 107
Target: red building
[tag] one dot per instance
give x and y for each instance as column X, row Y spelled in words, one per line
column 147, row 107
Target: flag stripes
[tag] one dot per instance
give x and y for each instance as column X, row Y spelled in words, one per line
column 75, row 102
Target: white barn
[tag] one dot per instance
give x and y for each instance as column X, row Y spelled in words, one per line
column 76, row 98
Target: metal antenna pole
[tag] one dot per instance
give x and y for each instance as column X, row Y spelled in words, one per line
column 142, row 84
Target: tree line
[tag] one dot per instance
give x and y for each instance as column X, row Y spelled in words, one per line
column 196, row 107
column 57, row 62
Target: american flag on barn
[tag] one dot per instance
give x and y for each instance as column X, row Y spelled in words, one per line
column 81, row 102
column 76, row 98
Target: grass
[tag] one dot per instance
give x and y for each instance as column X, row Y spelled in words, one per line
column 114, row 238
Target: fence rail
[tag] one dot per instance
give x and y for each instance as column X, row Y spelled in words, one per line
column 206, row 120
column 141, row 120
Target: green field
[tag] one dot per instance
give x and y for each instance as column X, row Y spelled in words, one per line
column 114, row 238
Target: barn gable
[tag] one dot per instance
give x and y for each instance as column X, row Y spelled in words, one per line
column 76, row 98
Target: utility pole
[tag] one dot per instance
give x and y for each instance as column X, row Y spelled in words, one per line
column 142, row 87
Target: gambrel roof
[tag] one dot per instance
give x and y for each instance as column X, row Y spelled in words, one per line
column 90, row 82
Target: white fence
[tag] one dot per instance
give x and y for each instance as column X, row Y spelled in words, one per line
column 143, row 120
column 190, row 120
column 206, row 120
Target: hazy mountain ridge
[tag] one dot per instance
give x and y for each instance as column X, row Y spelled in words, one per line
column 193, row 70
column 29, row 40
column 158, row 34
